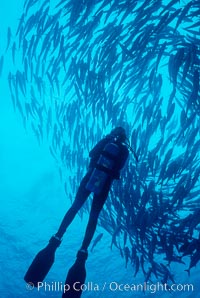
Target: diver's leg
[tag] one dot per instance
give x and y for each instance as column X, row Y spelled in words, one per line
column 97, row 205
column 80, row 199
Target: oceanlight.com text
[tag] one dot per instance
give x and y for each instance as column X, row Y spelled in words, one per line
column 113, row 286
column 150, row 287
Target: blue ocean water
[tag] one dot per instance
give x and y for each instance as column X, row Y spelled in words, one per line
column 33, row 202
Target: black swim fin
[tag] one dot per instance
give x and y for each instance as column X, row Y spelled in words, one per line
column 76, row 276
column 42, row 263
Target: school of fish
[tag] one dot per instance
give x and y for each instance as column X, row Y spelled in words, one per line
column 80, row 68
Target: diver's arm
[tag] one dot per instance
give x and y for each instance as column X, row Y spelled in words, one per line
column 124, row 157
column 98, row 148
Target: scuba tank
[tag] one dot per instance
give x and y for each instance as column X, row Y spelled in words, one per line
column 103, row 169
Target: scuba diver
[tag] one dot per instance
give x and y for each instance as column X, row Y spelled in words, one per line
column 107, row 158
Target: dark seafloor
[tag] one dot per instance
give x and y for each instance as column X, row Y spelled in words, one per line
column 69, row 72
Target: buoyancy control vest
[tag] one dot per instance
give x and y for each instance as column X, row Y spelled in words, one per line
column 104, row 168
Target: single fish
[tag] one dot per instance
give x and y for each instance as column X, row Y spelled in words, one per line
column 96, row 240
column 9, row 35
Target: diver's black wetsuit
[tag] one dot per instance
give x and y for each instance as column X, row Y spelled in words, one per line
column 98, row 200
